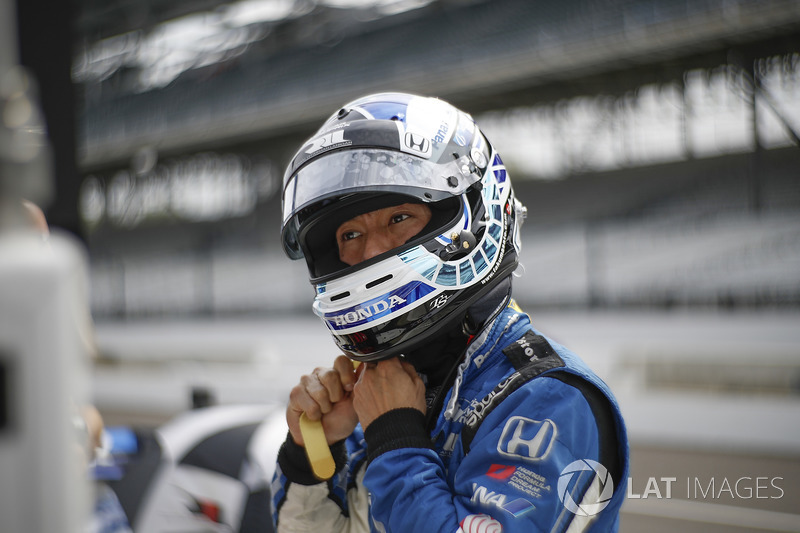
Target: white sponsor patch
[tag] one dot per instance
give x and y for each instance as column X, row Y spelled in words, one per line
column 526, row 439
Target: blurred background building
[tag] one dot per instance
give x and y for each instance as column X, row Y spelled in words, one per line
column 655, row 143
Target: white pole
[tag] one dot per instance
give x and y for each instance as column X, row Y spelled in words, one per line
column 44, row 361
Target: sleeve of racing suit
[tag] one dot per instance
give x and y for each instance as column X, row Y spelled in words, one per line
column 507, row 482
column 304, row 504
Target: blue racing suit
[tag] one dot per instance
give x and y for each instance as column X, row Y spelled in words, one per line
column 528, row 439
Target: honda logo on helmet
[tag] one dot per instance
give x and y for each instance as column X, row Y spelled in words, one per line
column 417, row 143
column 357, row 315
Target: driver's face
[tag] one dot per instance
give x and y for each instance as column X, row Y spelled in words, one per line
column 378, row 231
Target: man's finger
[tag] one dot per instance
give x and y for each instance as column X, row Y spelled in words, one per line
column 389, row 366
column 410, row 370
column 301, row 402
column 344, row 367
column 331, row 383
column 317, row 396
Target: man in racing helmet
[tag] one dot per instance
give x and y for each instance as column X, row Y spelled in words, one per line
column 463, row 417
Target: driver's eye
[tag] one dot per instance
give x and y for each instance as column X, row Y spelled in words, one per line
column 348, row 235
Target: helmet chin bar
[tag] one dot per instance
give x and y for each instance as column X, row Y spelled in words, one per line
column 357, row 346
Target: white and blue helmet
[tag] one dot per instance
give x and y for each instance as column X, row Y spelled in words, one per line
column 388, row 149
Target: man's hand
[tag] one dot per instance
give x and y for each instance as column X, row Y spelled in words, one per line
column 325, row 394
column 384, row 386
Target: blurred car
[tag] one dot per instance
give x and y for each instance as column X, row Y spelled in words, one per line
column 207, row 470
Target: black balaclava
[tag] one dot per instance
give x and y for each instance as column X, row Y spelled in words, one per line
column 438, row 358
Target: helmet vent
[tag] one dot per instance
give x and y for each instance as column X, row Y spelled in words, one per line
column 378, row 281
column 339, row 296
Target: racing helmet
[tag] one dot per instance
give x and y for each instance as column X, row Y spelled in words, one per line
column 389, row 149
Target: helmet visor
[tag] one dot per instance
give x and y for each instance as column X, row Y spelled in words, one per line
column 350, row 171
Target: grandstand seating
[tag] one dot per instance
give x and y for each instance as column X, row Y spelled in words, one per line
column 705, row 247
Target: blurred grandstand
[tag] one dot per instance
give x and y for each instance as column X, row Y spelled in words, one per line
column 654, row 142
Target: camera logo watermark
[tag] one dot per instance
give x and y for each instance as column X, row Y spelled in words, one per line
column 596, row 497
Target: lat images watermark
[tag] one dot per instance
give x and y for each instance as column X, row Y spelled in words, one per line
column 585, row 488
column 707, row 488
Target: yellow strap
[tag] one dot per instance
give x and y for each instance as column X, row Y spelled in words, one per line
column 317, row 449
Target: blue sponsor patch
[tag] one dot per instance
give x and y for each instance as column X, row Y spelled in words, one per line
column 518, row 507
